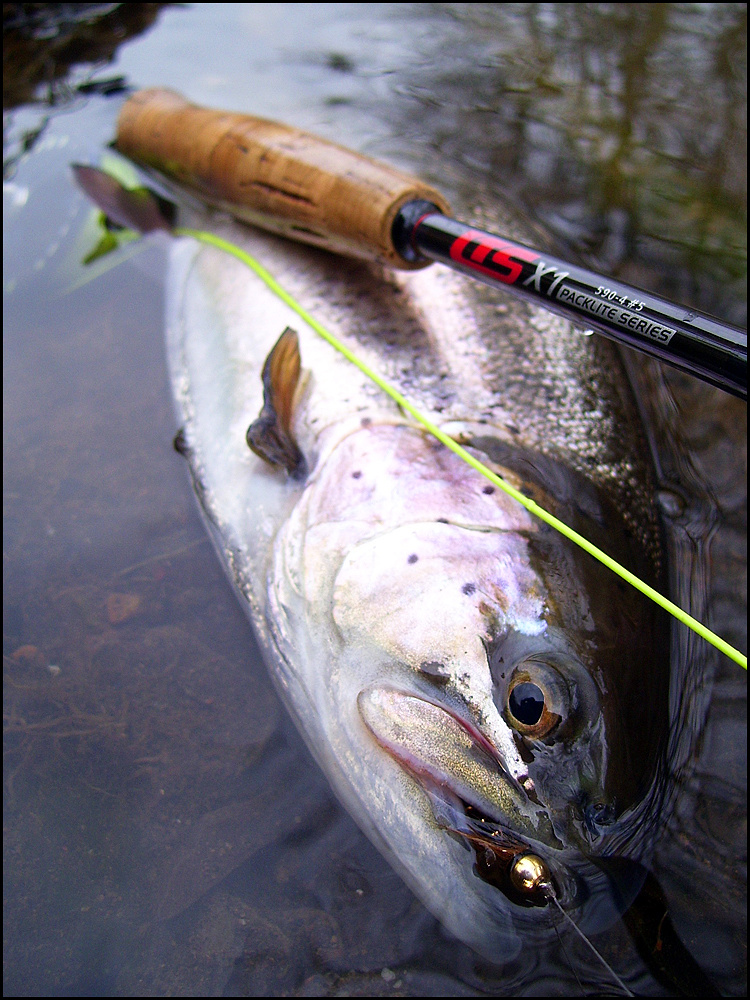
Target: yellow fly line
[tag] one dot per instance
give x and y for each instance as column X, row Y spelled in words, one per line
column 534, row 508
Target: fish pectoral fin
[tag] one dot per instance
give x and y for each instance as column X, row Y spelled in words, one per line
column 270, row 436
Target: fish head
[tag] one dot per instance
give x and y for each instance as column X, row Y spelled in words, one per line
column 479, row 673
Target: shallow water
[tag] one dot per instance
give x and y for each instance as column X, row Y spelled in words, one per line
column 165, row 830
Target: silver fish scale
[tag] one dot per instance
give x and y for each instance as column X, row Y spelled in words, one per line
column 516, row 372
column 478, row 362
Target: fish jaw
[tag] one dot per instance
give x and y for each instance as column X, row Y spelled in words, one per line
column 474, row 801
column 454, row 762
column 473, row 797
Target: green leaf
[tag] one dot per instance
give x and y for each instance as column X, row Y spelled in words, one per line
column 109, row 240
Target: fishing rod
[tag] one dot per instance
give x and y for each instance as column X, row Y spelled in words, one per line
column 306, row 188
column 695, row 343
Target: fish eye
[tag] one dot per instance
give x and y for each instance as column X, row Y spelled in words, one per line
column 537, row 701
column 526, row 703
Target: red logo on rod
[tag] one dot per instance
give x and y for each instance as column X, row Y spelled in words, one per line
column 490, row 255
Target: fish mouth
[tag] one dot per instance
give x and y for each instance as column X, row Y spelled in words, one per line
column 473, row 797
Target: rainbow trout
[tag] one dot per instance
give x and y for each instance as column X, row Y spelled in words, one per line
column 478, row 691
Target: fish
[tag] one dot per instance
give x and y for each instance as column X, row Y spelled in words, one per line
column 488, row 702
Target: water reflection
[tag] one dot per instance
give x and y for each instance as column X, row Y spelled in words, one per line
column 46, row 44
column 165, row 831
column 622, row 126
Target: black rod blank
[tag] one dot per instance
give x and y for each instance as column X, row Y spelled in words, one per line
column 695, row 343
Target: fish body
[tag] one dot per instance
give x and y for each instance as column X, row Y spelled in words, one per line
column 475, row 688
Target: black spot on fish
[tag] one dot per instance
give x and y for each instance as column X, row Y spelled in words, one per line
column 357, row 475
column 442, row 520
column 468, row 588
column 513, row 429
column 412, row 558
column 366, row 421
column 488, row 490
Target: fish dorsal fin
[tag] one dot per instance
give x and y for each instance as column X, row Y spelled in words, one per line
column 270, row 436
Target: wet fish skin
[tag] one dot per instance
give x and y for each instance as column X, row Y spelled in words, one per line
column 393, row 590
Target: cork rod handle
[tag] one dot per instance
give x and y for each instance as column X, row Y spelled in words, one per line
column 273, row 176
